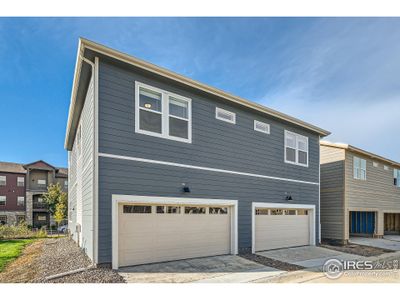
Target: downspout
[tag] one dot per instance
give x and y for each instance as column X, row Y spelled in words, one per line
column 92, row 65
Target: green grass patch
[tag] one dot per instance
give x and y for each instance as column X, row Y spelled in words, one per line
column 10, row 250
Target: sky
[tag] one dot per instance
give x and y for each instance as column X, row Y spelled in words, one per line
column 341, row 74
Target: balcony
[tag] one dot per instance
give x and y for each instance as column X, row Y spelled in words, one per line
column 39, row 205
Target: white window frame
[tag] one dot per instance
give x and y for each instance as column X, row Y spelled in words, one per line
column 357, row 170
column 261, row 123
column 396, row 175
column 5, row 180
column 218, row 110
column 65, row 183
column 375, row 164
column 20, row 180
column 164, row 113
column 296, row 149
column 3, row 198
column 20, row 198
column 386, row 168
column 39, row 180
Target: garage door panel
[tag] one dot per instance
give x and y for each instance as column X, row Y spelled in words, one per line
column 280, row 231
column 153, row 237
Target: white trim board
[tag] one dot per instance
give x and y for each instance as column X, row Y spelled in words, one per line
column 166, row 163
column 255, row 205
column 119, row 199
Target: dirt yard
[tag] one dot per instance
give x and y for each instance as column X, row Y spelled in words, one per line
column 357, row 249
column 269, row 262
column 49, row 257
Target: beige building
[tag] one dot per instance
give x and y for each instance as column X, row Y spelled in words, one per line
column 360, row 193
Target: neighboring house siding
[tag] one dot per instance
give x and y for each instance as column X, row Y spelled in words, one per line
column 377, row 193
column 332, row 193
column 215, row 144
column 12, row 192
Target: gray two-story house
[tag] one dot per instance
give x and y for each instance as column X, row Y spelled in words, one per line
column 163, row 167
column 360, row 193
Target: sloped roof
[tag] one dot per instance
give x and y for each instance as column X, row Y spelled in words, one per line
column 10, row 167
column 360, row 151
column 74, row 110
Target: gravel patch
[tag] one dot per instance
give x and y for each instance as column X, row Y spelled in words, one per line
column 357, row 249
column 269, row 262
column 63, row 255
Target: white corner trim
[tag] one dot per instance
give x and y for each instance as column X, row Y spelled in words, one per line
column 255, row 205
column 120, row 199
column 95, row 233
column 166, row 163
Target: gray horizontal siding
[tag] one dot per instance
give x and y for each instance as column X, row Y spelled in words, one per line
column 136, row 178
column 332, row 193
column 215, row 143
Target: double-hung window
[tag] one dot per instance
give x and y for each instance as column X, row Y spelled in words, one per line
column 359, row 168
column 296, row 149
column 396, row 177
column 162, row 114
column 20, row 181
column 3, row 180
column 3, row 200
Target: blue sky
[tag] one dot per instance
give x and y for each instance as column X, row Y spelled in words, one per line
column 341, row 74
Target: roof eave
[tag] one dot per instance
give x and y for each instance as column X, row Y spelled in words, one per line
column 84, row 43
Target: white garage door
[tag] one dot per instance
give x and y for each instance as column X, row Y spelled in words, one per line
column 155, row 233
column 281, row 228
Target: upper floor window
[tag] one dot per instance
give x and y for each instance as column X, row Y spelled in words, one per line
column 66, row 183
column 21, row 201
column 260, row 126
column 359, row 168
column 296, row 149
column 3, row 200
column 386, row 168
column 3, row 180
column 20, row 181
column 163, row 114
column 225, row 115
column 396, row 177
column 375, row 164
column 41, row 182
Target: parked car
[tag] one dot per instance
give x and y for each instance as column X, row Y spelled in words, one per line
column 62, row 229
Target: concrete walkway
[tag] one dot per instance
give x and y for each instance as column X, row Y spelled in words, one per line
column 307, row 256
column 226, row 268
column 388, row 242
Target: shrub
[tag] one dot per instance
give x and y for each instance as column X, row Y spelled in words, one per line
column 20, row 231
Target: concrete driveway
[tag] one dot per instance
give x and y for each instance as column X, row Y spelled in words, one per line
column 390, row 242
column 218, row 269
column 307, row 256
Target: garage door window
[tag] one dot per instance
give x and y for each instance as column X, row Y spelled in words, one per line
column 290, row 212
column 276, row 212
column 195, row 210
column 168, row 209
column 218, row 210
column 262, row 211
column 137, row 209
column 302, row 212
